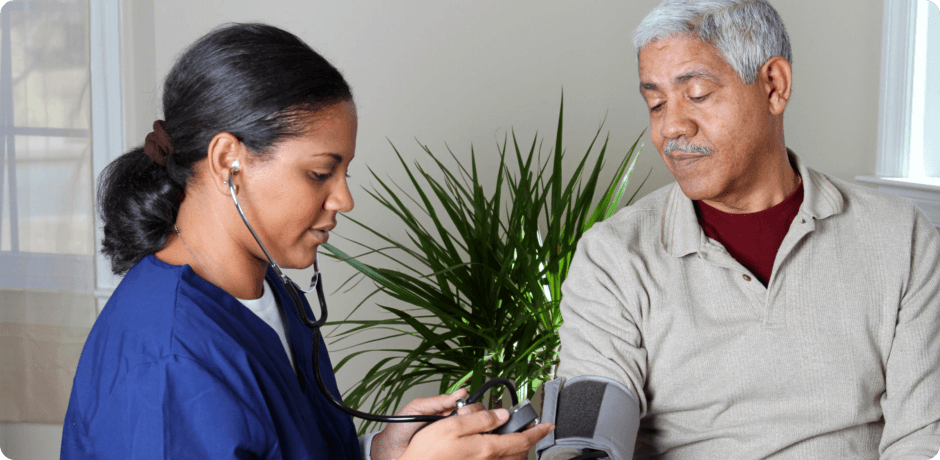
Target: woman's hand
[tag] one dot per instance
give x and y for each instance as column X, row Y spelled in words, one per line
column 464, row 437
column 394, row 439
column 454, row 437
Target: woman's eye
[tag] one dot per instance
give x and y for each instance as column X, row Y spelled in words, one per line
column 320, row 177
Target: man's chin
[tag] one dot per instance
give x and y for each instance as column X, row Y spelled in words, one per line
column 696, row 190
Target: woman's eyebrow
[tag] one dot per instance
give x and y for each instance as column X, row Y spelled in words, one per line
column 335, row 156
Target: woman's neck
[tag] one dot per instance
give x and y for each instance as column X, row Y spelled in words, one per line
column 210, row 248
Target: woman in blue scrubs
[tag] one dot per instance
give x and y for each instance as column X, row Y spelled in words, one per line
column 199, row 353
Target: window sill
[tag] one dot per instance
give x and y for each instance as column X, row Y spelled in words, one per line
column 925, row 193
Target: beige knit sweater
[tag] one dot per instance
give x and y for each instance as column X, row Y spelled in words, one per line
column 838, row 357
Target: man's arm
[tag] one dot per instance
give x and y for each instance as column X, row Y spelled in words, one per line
column 911, row 402
column 590, row 414
column 600, row 337
column 604, row 298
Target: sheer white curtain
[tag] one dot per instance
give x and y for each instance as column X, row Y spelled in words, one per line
column 47, row 281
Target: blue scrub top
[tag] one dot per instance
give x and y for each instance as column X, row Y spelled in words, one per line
column 175, row 367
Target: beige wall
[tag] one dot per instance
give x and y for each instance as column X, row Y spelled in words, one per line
column 462, row 72
column 466, row 72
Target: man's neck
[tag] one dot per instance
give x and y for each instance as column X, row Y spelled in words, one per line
column 770, row 187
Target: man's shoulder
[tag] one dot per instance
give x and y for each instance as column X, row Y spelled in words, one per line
column 861, row 202
column 650, row 205
column 634, row 229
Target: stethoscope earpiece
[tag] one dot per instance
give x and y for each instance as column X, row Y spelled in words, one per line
column 232, row 187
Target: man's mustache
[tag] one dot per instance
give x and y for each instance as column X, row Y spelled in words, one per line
column 674, row 144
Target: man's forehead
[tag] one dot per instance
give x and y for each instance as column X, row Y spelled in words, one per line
column 676, row 61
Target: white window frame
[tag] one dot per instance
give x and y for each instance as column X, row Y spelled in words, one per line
column 28, row 270
column 69, row 272
column 895, row 108
column 107, row 114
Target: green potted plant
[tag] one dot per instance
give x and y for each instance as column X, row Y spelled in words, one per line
column 481, row 280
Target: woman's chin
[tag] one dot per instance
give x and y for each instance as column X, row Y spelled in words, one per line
column 300, row 260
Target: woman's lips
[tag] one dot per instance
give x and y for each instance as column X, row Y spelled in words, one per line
column 322, row 235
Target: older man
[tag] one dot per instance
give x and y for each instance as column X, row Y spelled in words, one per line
column 756, row 308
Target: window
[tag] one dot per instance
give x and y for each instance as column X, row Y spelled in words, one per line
column 909, row 118
column 46, row 214
column 58, row 70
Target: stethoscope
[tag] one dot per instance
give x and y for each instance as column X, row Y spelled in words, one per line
column 521, row 415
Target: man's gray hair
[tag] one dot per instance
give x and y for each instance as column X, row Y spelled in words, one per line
column 746, row 32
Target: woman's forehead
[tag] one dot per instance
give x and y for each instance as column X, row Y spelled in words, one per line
column 331, row 133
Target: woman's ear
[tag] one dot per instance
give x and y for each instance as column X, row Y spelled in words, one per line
column 226, row 154
column 777, row 78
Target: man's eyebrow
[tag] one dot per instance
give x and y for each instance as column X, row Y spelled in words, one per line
column 682, row 79
column 697, row 73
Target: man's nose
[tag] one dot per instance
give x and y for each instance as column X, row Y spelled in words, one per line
column 677, row 122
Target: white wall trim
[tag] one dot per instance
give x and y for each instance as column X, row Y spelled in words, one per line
column 897, row 71
column 52, row 272
column 895, row 111
column 925, row 193
column 107, row 115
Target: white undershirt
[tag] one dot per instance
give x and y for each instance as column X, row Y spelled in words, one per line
column 266, row 309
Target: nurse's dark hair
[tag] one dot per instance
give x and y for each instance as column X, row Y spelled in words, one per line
column 257, row 82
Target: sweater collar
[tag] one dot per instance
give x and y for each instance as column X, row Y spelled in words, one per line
column 682, row 235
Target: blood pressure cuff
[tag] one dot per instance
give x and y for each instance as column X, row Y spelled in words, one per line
column 590, row 413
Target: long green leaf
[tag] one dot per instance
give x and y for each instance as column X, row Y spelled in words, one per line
column 481, row 269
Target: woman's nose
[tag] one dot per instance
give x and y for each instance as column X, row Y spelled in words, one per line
column 340, row 200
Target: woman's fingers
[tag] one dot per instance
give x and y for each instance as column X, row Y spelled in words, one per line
column 516, row 445
column 466, row 436
column 469, row 409
column 394, row 439
column 537, row 432
column 433, row 404
column 481, row 422
column 504, row 446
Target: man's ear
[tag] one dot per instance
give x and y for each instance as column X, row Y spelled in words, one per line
column 776, row 76
column 224, row 150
